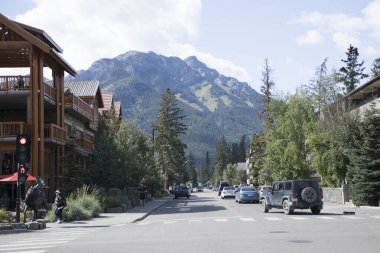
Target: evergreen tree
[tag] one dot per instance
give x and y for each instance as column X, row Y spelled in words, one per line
column 257, row 160
column 364, row 172
column 266, row 89
column 375, row 70
column 234, row 153
column 242, row 153
column 73, row 175
column 192, row 170
column 353, row 72
column 207, row 166
column 171, row 151
column 221, row 160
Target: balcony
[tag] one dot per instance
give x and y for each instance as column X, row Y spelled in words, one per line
column 55, row 134
column 9, row 130
column 21, row 84
column 80, row 108
column 86, row 145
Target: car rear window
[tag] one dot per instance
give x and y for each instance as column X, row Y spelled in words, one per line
column 248, row 189
column 228, row 188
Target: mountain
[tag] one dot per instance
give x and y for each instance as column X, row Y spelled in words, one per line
column 214, row 104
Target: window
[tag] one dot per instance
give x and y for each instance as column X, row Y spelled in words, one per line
column 7, row 164
column 288, row 186
column 275, row 187
column 281, row 187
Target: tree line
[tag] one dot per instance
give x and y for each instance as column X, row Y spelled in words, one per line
column 316, row 133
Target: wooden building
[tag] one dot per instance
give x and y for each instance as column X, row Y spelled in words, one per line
column 50, row 112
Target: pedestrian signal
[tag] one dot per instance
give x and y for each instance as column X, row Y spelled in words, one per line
column 23, row 149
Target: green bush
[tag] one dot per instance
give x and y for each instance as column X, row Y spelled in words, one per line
column 50, row 216
column 82, row 204
column 113, row 198
column 4, row 216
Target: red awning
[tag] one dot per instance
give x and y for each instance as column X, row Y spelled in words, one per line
column 14, row 178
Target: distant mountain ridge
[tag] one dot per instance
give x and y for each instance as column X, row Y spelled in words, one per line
column 214, row 104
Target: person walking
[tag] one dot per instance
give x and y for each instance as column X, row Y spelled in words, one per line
column 59, row 205
column 142, row 193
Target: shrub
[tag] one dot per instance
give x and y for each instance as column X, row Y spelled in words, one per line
column 4, row 216
column 113, row 198
column 82, row 204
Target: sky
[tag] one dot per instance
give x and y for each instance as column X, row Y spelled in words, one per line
column 232, row 36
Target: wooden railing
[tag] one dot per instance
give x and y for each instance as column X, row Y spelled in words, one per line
column 20, row 83
column 8, row 83
column 11, row 129
column 50, row 92
column 55, row 132
column 79, row 105
column 85, row 144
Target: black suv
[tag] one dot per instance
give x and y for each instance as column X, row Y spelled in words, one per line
column 294, row 194
column 221, row 186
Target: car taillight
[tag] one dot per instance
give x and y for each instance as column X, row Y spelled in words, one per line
column 294, row 195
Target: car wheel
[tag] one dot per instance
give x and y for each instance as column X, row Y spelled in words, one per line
column 175, row 197
column 188, row 196
column 315, row 209
column 265, row 206
column 222, row 197
column 309, row 194
column 236, row 200
column 287, row 208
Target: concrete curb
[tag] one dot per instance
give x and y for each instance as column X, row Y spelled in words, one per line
column 153, row 210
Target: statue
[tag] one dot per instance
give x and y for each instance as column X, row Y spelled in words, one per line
column 35, row 199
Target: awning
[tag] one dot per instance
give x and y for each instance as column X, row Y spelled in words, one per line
column 14, row 178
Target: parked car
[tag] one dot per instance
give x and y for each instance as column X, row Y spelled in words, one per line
column 181, row 191
column 228, row 192
column 221, row 186
column 263, row 191
column 247, row 194
column 199, row 189
column 294, row 194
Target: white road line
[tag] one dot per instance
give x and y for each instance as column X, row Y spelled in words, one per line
column 26, row 248
column 376, row 217
column 118, row 225
column 31, row 244
column 273, row 218
column 247, row 219
column 221, row 220
column 169, row 222
column 353, row 217
column 27, row 251
column 143, row 223
column 195, row 221
column 326, row 218
column 298, row 218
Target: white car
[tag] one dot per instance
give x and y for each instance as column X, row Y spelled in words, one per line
column 228, row 192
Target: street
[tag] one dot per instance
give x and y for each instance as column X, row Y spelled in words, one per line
column 206, row 223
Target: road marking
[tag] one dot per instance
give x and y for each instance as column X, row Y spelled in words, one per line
column 273, row 218
column 195, row 221
column 28, row 251
column 376, row 217
column 298, row 218
column 247, row 219
column 143, row 223
column 353, row 217
column 169, row 222
column 221, row 220
column 23, row 248
column 31, row 244
column 118, row 225
column 326, row 218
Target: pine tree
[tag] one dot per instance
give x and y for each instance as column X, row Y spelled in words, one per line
column 171, row 151
column 266, row 89
column 375, row 70
column 364, row 173
column 221, row 159
column 207, row 166
column 242, row 153
column 353, row 72
column 191, row 169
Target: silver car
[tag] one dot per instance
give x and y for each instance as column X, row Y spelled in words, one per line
column 228, row 192
column 247, row 194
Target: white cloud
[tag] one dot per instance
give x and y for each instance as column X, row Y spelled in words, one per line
column 343, row 29
column 343, row 40
column 312, row 37
column 88, row 30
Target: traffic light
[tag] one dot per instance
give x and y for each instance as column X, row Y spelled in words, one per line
column 23, row 149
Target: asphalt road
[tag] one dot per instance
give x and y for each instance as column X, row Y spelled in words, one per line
column 206, row 223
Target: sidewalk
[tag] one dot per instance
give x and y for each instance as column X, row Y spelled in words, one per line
column 349, row 208
column 109, row 219
column 104, row 219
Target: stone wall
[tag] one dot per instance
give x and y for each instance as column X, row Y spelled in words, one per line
column 333, row 195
